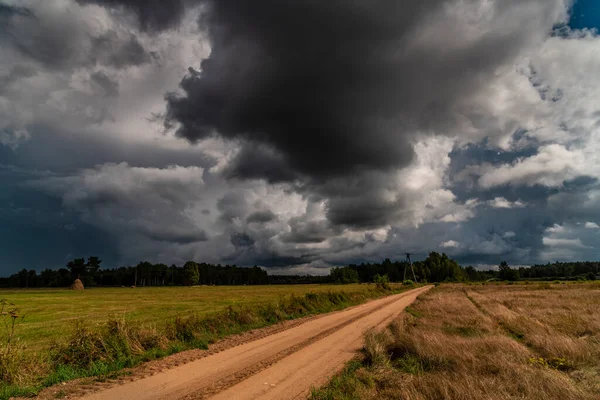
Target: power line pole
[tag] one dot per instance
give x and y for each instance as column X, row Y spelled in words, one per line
column 411, row 268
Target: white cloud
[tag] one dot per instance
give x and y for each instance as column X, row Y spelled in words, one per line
column 556, row 242
column 509, row 235
column 501, row 202
column 56, row 90
column 592, row 225
column 450, row 244
column 422, row 187
column 556, row 228
column 570, row 241
column 551, row 166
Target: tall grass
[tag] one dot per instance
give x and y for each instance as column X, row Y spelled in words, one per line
column 11, row 350
column 452, row 348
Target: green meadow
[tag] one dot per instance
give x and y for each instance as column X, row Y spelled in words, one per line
column 50, row 314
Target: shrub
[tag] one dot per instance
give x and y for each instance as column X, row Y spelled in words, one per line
column 590, row 276
column 382, row 282
column 545, row 286
column 408, row 282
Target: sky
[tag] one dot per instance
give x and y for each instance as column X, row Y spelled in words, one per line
column 298, row 135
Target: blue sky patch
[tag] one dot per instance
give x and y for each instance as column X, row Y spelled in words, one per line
column 585, row 14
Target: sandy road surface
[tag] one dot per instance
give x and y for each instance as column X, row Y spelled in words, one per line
column 281, row 366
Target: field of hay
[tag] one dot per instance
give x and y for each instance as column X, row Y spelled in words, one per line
column 533, row 341
column 49, row 314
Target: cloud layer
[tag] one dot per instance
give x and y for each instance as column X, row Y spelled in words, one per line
column 299, row 135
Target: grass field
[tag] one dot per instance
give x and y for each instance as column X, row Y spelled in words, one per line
column 533, row 341
column 50, row 314
column 98, row 332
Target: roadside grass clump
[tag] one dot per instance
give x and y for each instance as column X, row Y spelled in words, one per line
column 351, row 384
column 103, row 350
column 412, row 311
column 12, row 359
column 112, row 345
column 83, row 348
column 376, row 349
column 458, row 349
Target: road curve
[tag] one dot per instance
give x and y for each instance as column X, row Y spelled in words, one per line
column 284, row 365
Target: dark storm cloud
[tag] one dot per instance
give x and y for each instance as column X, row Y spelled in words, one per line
column 337, row 86
column 357, row 201
column 109, row 86
column 16, row 73
column 110, row 50
column 278, row 260
column 241, row 240
column 261, row 217
column 177, row 237
column 256, row 161
column 309, row 231
column 232, row 205
column 153, row 15
column 8, row 11
column 33, row 227
column 579, row 201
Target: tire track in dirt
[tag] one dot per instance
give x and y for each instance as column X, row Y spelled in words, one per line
column 314, row 365
column 340, row 333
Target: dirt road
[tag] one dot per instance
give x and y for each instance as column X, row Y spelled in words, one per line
column 281, row 366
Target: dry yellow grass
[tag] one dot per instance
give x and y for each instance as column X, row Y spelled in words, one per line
column 484, row 342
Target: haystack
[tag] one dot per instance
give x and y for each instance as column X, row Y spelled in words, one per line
column 77, row 285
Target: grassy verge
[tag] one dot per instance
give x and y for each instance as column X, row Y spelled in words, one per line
column 50, row 313
column 500, row 342
column 103, row 350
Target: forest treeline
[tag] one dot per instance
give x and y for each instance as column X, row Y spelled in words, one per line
column 91, row 273
column 435, row 268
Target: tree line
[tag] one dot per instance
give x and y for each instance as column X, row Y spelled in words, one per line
column 440, row 268
column 144, row 273
column 435, row 268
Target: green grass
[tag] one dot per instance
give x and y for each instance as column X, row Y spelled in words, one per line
column 51, row 313
column 343, row 386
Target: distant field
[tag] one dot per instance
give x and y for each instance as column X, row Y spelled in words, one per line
column 493, row 341
column 50, row 313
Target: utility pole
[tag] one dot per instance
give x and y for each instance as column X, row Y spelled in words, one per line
column 411, row 268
